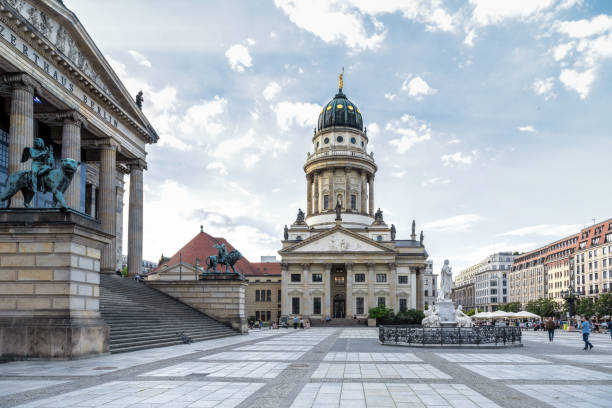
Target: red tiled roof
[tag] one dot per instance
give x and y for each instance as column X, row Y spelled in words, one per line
column 201, row 246
column 267, row 268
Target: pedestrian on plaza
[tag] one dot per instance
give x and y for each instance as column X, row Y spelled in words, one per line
column 610, row 327
column 295, row 322
column 586, row 330
column 550, row 326
column 301, row 323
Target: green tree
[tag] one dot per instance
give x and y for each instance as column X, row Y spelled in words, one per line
column 603, row 306
column 585, row 307
column 548, row 307
column 473, row 312
column 511, row 307
column 380, row 313
column 532, row 307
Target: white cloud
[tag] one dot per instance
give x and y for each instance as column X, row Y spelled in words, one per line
column 140, row 58
column 117, row 66
column 239, row 58
column 417, row 87
column 544, row 230
column 435, row 181
column 454, row 141
column 459, row 159
column 389, row 96
column 234, row 145
column 528, row 128
column 578, row 81
column 204, row 117
column 250, row 160
column 218, row 166
column 458, row 223
column 250, row 41
column 544, row 87
column 373, row 130
column 487, row 12
column 411, row 131
column 271, row 90
column 586, row 28
column 355, row 23
column 299, row 113
column 398, row 174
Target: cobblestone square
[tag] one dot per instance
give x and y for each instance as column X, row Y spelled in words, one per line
column 321, row 367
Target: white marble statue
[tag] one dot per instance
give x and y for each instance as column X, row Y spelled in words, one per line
column 462, row 319
column 432, row 318
column 446, row 283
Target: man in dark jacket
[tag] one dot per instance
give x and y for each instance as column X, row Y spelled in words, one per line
column 550, row 326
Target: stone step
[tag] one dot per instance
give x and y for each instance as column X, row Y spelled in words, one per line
column 141, row 317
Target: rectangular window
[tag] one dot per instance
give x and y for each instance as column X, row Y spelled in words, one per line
column 353, row 202
column 381, row 301
column 402, row 279
column 381, row 277
column 257, row 316
column 268, row 315
column 296, row 277
column 360, row 277
column 426, row 292
column 316, row 305
column 403, row 305
column 257, row 296
column 279, row 295
column 338, row 280
column 359, row 305
column 295, row 305
column 268, row 295
column 317, row 277
column 326, row 202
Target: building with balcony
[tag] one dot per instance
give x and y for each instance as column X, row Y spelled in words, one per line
column 593, row 260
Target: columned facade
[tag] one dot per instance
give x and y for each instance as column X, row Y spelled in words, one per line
column 135, row 218
column 343, row 258
column 56, row 85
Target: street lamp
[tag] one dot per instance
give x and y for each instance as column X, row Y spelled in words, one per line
column 570, row 297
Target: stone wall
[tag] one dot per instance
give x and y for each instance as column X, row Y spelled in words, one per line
column 49, row 285
column 221, row 297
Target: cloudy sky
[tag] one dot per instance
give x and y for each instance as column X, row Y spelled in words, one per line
column 489, row 120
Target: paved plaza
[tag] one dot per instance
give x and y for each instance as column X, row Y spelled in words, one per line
column 321, row 367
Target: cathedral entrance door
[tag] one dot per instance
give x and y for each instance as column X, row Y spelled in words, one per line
column 339, row 307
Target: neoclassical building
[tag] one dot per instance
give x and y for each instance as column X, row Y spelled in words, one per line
column 55, row 84
column 340, row 258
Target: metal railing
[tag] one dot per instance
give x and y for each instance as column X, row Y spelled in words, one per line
column 423, row 336
column 341, row 153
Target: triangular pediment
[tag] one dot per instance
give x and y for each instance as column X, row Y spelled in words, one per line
column 337, row 240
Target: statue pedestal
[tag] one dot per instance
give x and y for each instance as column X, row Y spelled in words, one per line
column 49, row 285
column 447, row 313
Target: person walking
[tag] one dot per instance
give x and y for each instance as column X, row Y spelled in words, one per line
column 586, row 330
column 550, row 326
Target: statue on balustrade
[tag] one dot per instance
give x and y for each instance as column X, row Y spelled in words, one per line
column 42, row 178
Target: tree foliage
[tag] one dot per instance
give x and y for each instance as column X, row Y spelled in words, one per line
column 473, row 312
column 603, row 306
column 544, row 307
column 386, row 316
column 585, row 307
column 511, row 307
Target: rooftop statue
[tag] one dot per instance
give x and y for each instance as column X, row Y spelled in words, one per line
column 286, row 233
column 378, row 216
column 393, row 232
column 223, row 258
column 300, row 217
column 446, row 282
column 413, row 227
column 421, row 238
column 139, row 100
column 338, row 209
column 42, row 178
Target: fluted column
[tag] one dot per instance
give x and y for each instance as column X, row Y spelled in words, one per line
column 371, row 280
column 135, row 218
column 347, row 189
column 371, row 194
column 21, row 127
column 306, row 301
column 107, row 203
column 71, row 148
column 92, row 205
column 393, row 288
column 349, row 290
column 284, row 288
column 332, row 192
column 327, row 292
column 316, row 193
column 364, row 194
column 309, row 184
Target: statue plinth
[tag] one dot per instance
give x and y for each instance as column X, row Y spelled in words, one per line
column 447, row 313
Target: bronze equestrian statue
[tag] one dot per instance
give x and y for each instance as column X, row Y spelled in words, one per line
column 223, row 258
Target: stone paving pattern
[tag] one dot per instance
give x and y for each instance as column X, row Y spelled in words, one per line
column 321, row 367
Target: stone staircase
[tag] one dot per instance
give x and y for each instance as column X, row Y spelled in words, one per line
column 141, row 317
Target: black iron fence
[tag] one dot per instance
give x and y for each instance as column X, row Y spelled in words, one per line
column 482, row 335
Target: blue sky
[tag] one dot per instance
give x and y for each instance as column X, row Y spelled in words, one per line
column 489, row 120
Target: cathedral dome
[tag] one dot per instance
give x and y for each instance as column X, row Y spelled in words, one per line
column 340, row 112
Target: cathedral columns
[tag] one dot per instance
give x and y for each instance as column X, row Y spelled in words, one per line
column 371, row 280
column 332, row 191
column 309, row 184
column 347, row 189
column 306, row 303
column 371, row 194
column 71, row 148
column 284, row 289
column 349, row 290
column 21, row 127
column 364, row 194
column 393, row 287
column 135, row 218
column 413, row 289
column 327, row 298
column 108, row 203
column 316, row 192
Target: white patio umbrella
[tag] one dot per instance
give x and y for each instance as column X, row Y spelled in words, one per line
column 482, row 315
column 523, row 314
column 500, row 314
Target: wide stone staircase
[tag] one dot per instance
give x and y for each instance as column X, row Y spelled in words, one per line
column 141, row 317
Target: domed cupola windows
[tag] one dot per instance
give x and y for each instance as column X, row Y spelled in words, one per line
column 340, row 139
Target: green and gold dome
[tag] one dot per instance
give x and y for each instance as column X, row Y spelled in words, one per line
column 340, row 111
